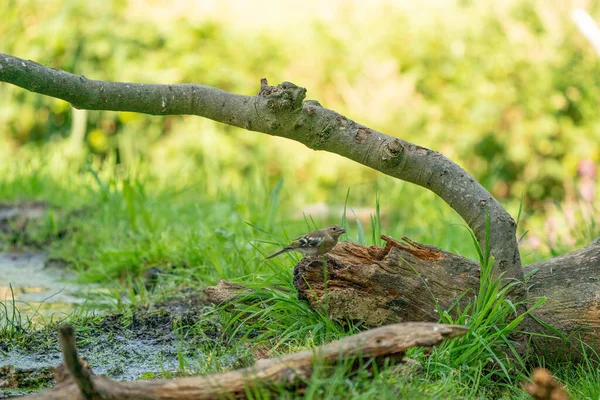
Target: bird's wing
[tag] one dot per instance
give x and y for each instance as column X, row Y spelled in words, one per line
column 308, row 242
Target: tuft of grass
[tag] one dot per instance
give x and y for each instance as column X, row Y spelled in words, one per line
column 17, row 316
column 583, row 380
column 272, row 316
column 376, row 222
column 12, row 322
column 488, row 355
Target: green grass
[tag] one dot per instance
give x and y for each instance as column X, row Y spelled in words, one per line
column 12, row 320
column 112, row 225
column 204, row 202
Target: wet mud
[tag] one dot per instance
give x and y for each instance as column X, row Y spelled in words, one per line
column 159, row 341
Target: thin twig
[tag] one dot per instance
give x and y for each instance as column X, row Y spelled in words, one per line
column 80, row 374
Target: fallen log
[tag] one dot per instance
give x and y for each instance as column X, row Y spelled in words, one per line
column 571, row 283
column 415, row 282
column 76, row 382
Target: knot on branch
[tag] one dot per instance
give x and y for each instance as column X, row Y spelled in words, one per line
column 285, row 96
column 391, row 148
column 362, row 134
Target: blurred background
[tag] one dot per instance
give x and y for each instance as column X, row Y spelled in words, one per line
column 509, row 90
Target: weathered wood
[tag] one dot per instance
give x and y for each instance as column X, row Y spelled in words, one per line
column 225, row 292
column 290, row 370
column 383, row 285
column 571, row 283
column 81, row 375
column 403, row 281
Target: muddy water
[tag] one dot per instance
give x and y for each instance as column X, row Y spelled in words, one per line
column 39, row 291
column 146, row 342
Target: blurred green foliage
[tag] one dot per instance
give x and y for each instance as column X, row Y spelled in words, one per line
column 509, row 90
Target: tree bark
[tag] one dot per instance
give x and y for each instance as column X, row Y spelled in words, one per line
column 414, row 282
column 75, row 381
column 281, row 111
column 571, row 283
column 397, row 283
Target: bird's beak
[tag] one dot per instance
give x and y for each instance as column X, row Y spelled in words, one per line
column 343, row 231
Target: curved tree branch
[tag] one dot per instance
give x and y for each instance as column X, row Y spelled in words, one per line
column 282, row 111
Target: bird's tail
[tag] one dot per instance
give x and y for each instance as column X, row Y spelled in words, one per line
column 284, row 250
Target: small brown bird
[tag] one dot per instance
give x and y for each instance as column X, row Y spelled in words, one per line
column 314, row 243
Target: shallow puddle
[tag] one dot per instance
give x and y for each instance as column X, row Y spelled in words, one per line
column 146, row 343
column 32, row 290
